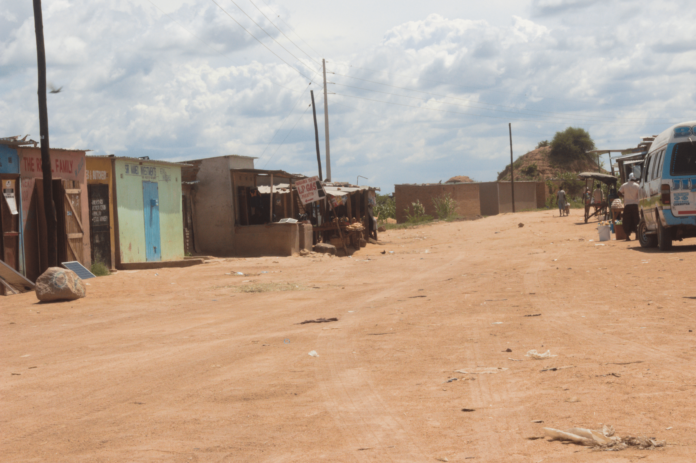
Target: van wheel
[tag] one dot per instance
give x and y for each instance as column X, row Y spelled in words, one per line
column 664, row 237
column 645, row 240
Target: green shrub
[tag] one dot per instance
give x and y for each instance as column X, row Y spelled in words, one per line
column 417, row 213
column 386, row 207
column 99, row 269
column 445, row 206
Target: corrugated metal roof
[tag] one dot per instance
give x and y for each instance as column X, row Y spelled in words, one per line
column 279, row 173
column 127, row 158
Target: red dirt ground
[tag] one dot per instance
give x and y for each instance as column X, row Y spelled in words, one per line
column 178, row 365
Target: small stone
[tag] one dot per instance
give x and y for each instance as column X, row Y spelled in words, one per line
column 59, row 284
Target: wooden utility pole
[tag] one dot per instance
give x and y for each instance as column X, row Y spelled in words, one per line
column 316, row 135
column 326, row 125
column 512, row 170
column 49, row 205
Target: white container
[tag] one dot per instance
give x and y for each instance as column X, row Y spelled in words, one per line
column 604, row 232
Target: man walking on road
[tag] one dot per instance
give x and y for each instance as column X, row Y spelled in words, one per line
column 630, row 191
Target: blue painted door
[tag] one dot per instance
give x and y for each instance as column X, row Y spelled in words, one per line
column 153, row 253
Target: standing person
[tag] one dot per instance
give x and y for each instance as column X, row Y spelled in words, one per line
column 561, row 196
column 630, row 192
column 597, row 197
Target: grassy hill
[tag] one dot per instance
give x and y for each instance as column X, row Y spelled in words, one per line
column 539, row 165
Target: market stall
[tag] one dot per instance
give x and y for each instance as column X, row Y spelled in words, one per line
column 601, row 207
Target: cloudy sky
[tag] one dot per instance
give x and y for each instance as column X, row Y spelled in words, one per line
column 421, row 91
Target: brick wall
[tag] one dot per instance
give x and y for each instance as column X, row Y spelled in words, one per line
column 466, row 196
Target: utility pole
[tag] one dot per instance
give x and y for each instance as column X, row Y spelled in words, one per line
column 326, row 125
column 512, row 170
column 316, row 135
column 49, row 205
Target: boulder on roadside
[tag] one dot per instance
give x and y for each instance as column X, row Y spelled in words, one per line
column 382, row 229
column 59, row 284
column 325, row 248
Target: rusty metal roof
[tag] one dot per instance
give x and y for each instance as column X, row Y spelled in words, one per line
column 127, row 158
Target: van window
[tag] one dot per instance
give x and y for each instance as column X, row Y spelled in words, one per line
column 660, row 163
column 684, row 159
column 646, row 172
column 655, row 167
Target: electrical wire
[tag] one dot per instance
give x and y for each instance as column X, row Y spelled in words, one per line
column 283, row 121
column 254, row 37
column 206, row 43
column 269, row 35
column 297, row 46
column 292, row 30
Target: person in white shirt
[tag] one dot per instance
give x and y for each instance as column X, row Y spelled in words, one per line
column 630, row 192
column 597, row 197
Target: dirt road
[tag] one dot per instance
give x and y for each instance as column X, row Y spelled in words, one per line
column 183, row 365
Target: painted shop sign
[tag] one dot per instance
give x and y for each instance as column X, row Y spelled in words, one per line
column 63, row 165
column 148, row 173
column 309, row 190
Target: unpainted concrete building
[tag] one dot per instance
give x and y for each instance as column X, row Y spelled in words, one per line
column 230, row 209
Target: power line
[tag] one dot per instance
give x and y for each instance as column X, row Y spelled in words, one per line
column 293, row 30
column 204, row 42
column 297, row 46
column 254, row 37
column 269, row 35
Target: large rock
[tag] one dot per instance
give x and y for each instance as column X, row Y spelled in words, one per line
column 59, row 284
column 325, row 248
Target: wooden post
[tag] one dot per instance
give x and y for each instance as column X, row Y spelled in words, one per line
column 292, row 199
column 49, row 205
column 316, row 135
column 340, row 233
column 512, row 170
column 271, row 221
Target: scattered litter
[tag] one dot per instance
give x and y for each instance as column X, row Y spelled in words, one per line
column 442, row 459
column 604, row 439
column 667, row 429
column 573, row 400
column 508, row 350
column 450, row 380
column 481, row 371
column 16, row 374
column 468, row 410
column 599, row 245
column 537, row 421
column 318, row 320
column 413, row 297
column 156, row 274
column 497, row 323
column 391, row 252
column 520, row 225
column 313, row 354
column 558, row 368
column 534, row 315
column 286, row 341
column 610, row 374
column 537, row 356
column 514, row 360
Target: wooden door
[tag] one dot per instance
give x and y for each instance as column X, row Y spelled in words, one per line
column 9, row 223
column 68, row 201
column 99, row 224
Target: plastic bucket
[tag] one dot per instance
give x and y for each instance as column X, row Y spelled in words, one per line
column 604, row 232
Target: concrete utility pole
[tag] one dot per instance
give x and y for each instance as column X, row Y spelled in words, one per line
column 512, row 170
column 49, row 205
column 326, row 125
column 316, row 135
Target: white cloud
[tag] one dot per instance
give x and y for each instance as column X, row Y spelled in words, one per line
column 434, row 99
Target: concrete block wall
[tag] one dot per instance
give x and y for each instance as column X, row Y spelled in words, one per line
column 465, row 194
column 525, row 196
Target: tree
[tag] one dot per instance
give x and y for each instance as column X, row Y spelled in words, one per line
column 572, row 144
column 543, row 144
